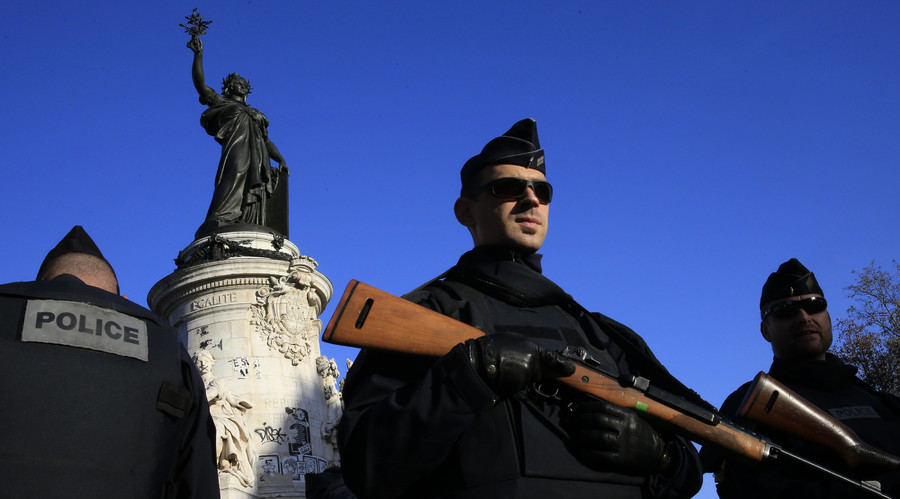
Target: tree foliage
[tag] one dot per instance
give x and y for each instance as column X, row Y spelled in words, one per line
column 869, row 336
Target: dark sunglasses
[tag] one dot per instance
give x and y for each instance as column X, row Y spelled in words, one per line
column 517, row 188
column 789, row 308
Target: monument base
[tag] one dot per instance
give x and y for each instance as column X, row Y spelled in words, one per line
column 246, row 306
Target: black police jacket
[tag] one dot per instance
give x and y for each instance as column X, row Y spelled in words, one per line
column 832, row 386
column 100, row 399
column 415, row 427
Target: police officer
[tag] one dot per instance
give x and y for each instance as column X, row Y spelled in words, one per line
column 796, row 322
column 486, row 420
column 100, row 398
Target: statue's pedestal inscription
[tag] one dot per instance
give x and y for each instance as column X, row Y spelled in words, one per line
column 246, row 305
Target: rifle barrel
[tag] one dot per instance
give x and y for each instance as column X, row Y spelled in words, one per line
column 780, row 454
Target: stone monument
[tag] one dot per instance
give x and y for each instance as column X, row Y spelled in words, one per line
column 246, row 304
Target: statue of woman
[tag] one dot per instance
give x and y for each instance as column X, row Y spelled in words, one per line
column 234, row 452
column 245, row 178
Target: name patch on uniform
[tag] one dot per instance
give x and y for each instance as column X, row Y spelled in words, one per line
column 856, row 412
column 82, row 325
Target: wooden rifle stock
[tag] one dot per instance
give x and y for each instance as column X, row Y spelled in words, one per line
column 771, row 403
column 367, row 317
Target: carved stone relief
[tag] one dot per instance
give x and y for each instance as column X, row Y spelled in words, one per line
column 334, row 407
column 285, row 314
column 235, row 452
column 333, row 412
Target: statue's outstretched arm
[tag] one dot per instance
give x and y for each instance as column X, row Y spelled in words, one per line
column 197, row 70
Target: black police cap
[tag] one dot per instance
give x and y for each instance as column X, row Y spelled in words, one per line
column 791, row 279
column 76, row 241
column 518, row 146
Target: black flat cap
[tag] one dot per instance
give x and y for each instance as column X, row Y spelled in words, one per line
column 518, row 146
column 76, row 241
column 791, row 279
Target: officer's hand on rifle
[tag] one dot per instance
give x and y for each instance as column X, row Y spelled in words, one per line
column 608, row 437
column 509, row 363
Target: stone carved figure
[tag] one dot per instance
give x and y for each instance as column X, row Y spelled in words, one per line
column 234, row 450
column 245, row 179
column 326, row 367
column 333, row 412
column 284, row 314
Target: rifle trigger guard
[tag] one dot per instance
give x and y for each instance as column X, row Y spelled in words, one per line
column 539, row 389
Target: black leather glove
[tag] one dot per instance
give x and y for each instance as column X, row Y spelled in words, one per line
column 509, row 363
column 607, row 437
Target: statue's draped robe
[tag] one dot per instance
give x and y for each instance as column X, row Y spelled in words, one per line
column 233, row 438
column 245, row 177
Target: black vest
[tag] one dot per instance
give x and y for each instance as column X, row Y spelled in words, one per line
column 79, row 422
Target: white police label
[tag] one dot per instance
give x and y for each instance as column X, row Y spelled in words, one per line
column 856, row 412
column 81, row 325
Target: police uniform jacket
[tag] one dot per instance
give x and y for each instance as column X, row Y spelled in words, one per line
column 415, row 427
column 832, row 386
column 100, row 399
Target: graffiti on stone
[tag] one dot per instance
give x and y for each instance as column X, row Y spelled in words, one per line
column 299, row 439
column 207, row 344
column 241, row 366
column 270, row 434
column 313, row 464
column 291, row 466
column 268, row 467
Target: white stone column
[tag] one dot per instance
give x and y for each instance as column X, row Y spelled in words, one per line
column 246, row 305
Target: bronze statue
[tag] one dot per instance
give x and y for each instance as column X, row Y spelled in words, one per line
column 246, row 179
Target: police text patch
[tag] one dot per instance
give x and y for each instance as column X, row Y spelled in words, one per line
column 856, row 412
column 81, row 325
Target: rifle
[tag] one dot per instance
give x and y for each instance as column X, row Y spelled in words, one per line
column 367, row 317
column 771, row 403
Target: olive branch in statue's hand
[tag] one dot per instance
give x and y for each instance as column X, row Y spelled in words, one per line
column 195, row 26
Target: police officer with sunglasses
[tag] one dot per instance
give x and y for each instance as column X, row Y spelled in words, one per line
column 487, row 420
column 796, row 322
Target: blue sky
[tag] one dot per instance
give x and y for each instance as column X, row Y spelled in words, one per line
column 693, row 146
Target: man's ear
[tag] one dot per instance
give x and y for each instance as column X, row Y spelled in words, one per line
column 764, row 330
column 462, row 208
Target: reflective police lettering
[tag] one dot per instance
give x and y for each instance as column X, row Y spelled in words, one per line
column 43, row 317
column 81, row 328
column 66, row 321
column 110, row 325
column 855, row 412
column 131, row 335
column 81, row 325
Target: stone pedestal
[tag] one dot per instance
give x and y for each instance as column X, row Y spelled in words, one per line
column 246, row 305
